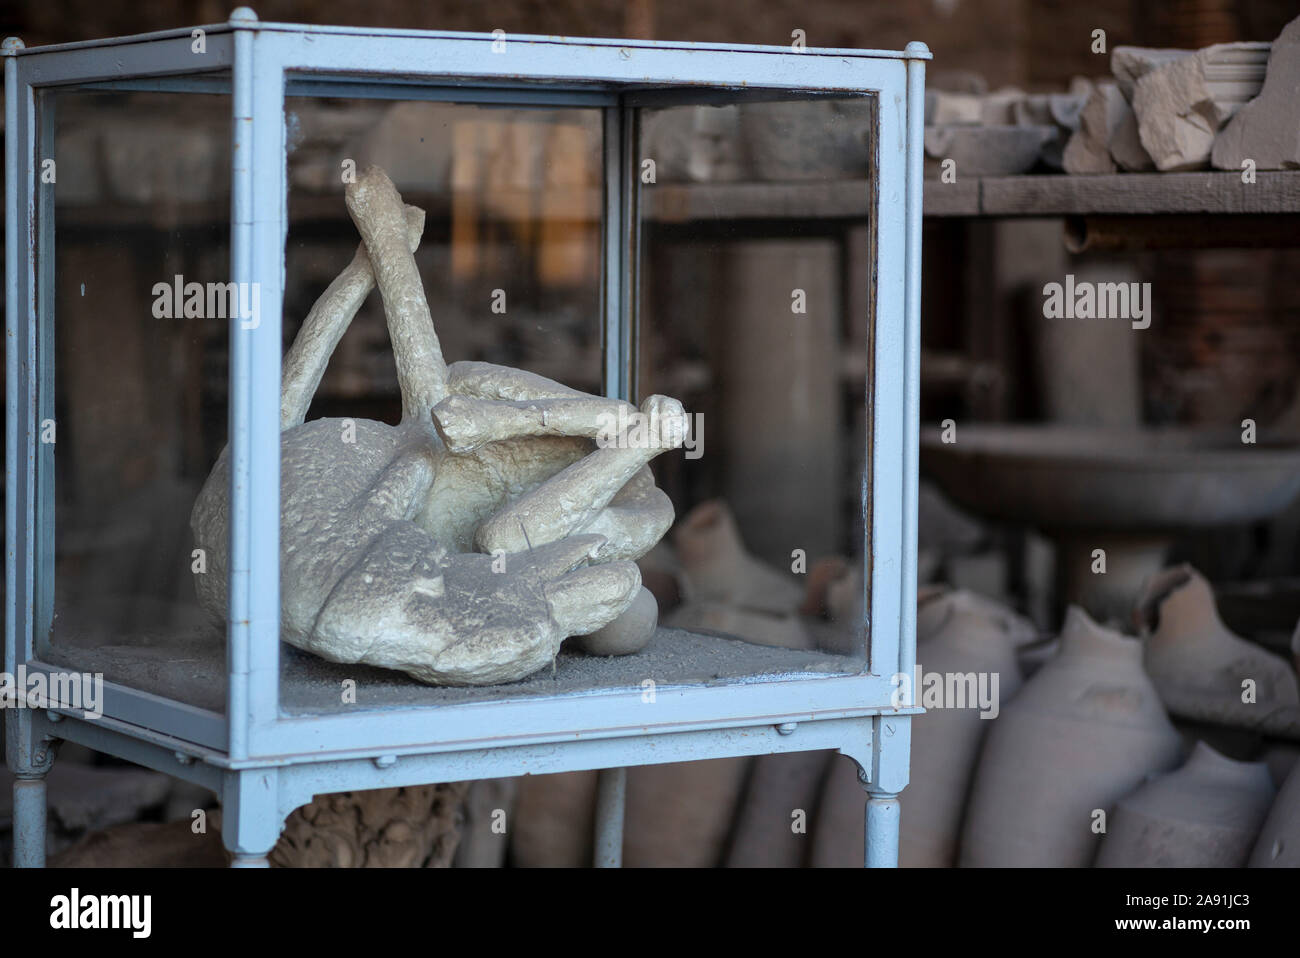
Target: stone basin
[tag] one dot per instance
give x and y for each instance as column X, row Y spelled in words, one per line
column 1111, row 496
column 1142, row 480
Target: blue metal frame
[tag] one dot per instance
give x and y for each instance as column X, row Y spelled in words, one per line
column 262, row 762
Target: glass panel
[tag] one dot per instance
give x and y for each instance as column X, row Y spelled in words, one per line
column 513, row 206
column 141, row 200
column 510, row 262
column 756, row 313
column 510, row 254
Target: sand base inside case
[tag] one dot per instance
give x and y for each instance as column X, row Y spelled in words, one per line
column 190, row 666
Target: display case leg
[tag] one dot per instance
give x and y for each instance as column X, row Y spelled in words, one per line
column 250, row 816
column 611, row 794
column 250, row 861
column 882, row 830
column 891, row 747
column 29, row 822
column 30, row 756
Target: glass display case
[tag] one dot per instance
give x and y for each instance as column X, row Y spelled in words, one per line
column 734, row 227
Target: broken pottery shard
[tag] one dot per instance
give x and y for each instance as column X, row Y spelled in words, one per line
column 728, row 590
column 957, row 81
column 1201, row 670
column 1088, row 150
column 1059, row 111
column 1042, row 109
column 932, row 614
column 943, row 108
column 999, row 107
column 719, row 568
column 985, row 150
column 1130, row 64
column 1126, row 147
column 1267, row 129
column 1181, row 105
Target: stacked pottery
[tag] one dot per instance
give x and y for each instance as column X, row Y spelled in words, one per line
column 729, row 591
column 772, row 823
column 679, row 815
column 1279, row 840
column 839, row 826
column 1082, row 733
column 1201, row 670
column 956, row 631
column 682, row 814
column 932, row 614
column 1205, row 815
column 719, row 568
column 976, row 643
column 554, row 820
column 483, row 842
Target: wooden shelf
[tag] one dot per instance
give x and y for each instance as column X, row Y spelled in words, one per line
column 1119, row 194
column 812, row 200
column 1122, row 194
column 1125, row 194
